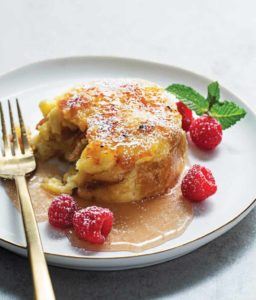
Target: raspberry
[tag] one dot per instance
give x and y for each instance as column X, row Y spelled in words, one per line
column 93, row 224
column 206, row 132
column 61, row 211
column 198, row 184
column 187, row 116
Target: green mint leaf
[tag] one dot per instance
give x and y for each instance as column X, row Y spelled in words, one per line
column 190, row 97
column 227, row 113
column 213, row 93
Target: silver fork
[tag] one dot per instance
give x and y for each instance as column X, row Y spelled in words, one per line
column 17, row 160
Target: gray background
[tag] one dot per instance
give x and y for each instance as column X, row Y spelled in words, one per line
column 214, row 38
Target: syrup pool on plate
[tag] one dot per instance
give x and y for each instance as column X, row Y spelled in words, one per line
column 138, row 225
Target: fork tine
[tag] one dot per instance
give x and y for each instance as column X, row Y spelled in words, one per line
column 7, row 149
column 16, row 147
column 24, row 137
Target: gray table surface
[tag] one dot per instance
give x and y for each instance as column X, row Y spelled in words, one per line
column 214, row 38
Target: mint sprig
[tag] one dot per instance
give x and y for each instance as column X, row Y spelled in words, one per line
column 226, row 112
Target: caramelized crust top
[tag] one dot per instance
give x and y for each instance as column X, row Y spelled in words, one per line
column 128, row 116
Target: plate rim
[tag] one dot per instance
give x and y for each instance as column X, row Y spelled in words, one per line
column 138, row 60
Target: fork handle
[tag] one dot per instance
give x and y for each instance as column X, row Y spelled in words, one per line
column 41, row 279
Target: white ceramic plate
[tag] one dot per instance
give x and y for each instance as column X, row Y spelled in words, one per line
column 233, row 163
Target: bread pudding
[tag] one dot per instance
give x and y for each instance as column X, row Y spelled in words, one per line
column 122, row 138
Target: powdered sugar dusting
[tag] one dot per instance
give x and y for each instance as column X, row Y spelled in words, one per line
column 121, row 112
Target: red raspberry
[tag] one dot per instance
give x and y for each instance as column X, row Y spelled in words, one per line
column 93, row 224
column 198, row 184
column 61, row 211
column 187, row 116
column 206, row 132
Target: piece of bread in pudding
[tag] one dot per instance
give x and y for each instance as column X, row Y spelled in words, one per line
column 122, row 137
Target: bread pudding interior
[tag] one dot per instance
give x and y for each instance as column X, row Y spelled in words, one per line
column 122, row 139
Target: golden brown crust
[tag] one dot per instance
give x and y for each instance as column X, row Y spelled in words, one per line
column 145, row 180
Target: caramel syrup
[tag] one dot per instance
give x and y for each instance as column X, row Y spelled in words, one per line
column 138, row 225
